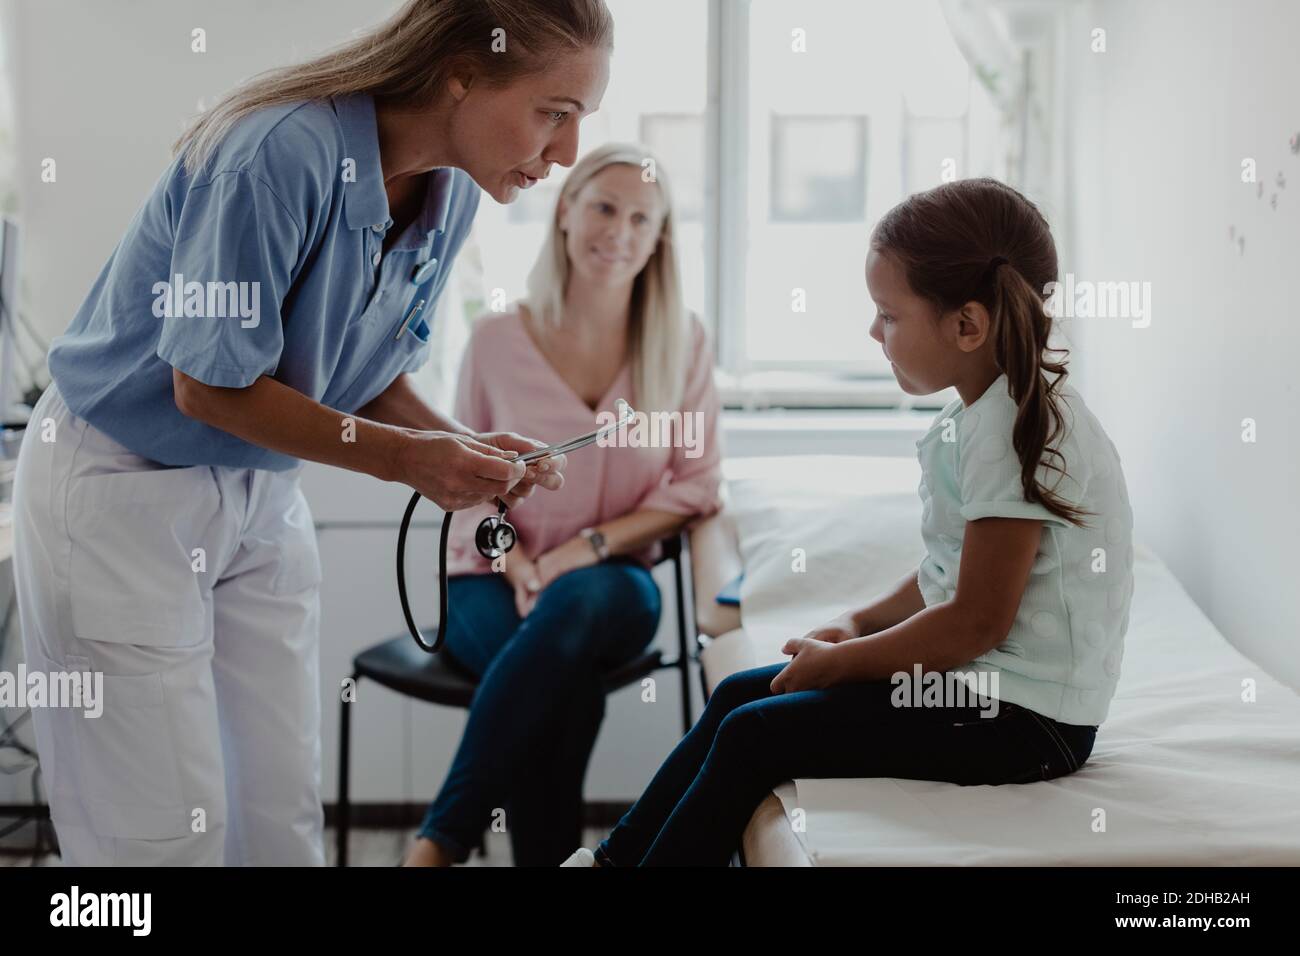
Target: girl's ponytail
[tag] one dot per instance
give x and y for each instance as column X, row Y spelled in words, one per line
column 980, row 240
column 1021, row 325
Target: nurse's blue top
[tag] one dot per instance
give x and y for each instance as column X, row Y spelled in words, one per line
column 267, row 262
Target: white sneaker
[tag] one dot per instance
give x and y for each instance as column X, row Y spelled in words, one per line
column 581, row 857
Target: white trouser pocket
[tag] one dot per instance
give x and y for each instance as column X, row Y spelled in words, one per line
column 150, row 761
column 143, row 550
column 139, row 553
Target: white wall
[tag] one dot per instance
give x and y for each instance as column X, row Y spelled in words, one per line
column 104, row 88
column 1159, row 125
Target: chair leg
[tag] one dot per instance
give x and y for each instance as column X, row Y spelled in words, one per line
column 683, row 655
column 344, row 808
column 704, row 686
column 684, row 667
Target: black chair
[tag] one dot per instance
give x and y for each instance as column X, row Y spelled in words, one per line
column 399, row 665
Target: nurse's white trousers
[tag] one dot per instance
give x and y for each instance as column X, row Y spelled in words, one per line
column 195, row 592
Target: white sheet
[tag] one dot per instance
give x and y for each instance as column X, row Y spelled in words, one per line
column 1184, row 770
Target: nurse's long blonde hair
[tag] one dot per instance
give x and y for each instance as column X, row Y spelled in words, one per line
column 409, row 58
column 658, row 328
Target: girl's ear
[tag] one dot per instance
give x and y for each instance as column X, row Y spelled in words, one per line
column 459, row 80
column 973, row 326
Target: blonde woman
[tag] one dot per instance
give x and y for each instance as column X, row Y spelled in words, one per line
column 603, row 319
column 265, row 306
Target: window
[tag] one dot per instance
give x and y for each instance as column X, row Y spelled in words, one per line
column 819, row 169
column 678, row 140
column 8, row 159
column 849, row 107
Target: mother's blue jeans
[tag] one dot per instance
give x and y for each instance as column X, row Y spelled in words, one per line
column 539, row 704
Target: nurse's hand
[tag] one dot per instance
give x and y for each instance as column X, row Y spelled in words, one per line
column 546, row 472
column 458, row 471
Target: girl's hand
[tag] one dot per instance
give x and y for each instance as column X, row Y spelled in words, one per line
column 833, row 631
column 573, row 554
column 814, row 666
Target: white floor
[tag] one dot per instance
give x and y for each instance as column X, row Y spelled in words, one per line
column 386, row 847
column 372, row 848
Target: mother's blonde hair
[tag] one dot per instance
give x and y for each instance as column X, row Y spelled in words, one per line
column 658, row 327
column 409, row 58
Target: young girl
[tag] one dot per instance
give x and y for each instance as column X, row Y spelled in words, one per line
column 1027, row 574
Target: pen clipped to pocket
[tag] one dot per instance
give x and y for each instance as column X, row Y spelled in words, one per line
column 411, row 316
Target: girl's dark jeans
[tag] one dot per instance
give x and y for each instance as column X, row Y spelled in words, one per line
column 748, row 741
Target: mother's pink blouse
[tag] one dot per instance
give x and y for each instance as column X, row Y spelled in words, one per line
column 506, row 384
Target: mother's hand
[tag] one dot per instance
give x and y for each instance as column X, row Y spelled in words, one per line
column 521, row 574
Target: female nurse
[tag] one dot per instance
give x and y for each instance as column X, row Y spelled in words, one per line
column 266, row 305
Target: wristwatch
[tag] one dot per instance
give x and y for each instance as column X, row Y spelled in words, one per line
column 597, row 542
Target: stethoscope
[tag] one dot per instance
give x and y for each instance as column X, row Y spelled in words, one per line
column 494, row 538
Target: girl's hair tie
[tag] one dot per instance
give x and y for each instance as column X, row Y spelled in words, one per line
column 991, row 271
